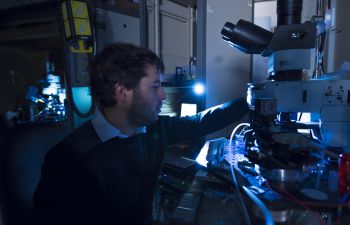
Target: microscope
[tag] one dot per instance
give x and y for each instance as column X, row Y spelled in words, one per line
column 286, row 92
column 290, row 168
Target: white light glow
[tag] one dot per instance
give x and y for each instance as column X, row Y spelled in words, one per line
column 188, row 109
column 198, row 88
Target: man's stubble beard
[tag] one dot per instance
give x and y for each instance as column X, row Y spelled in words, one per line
column 137, row 113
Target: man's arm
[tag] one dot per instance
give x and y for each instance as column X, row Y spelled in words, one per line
column 206, row 122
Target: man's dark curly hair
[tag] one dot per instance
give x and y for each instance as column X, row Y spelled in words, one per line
column 122, row 63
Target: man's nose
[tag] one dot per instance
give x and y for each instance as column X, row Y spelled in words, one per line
column 162, row 94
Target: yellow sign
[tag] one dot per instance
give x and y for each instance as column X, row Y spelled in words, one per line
column 67, row 29
column 82, row 27
column 65, row 20
column 64, row 11
column 79, row 9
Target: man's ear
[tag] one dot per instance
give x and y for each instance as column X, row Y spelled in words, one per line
column 121, row 93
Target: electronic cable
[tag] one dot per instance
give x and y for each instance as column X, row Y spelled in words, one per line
column 261, row 205
column 243, row 206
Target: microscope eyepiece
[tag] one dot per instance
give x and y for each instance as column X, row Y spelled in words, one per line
column 246, row 36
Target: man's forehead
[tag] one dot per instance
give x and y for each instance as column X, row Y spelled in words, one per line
column 152, row 73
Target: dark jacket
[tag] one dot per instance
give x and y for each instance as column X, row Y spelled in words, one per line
column 87, row 182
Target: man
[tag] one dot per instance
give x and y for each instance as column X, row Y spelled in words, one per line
column 106, row 171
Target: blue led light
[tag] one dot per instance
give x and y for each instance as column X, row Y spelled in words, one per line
column 198, row 88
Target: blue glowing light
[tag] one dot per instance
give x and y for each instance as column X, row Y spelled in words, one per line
column 198, row 88
column 82, row 98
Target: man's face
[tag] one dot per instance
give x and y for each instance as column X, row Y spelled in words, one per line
column 147, row 98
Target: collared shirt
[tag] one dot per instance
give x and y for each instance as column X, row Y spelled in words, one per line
column 105, row 130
